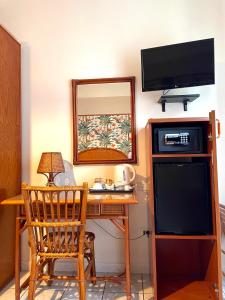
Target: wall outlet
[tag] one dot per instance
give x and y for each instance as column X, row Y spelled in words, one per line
column 146, row 232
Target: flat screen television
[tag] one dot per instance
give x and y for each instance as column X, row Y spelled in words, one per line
column 179, row 65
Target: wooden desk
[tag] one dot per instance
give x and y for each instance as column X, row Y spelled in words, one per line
column 112, row 207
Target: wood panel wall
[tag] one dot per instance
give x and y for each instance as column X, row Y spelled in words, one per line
column 10, row 147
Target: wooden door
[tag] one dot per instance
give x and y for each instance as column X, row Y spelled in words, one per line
column 151, row 214
column 10, row 148
column 214, row 274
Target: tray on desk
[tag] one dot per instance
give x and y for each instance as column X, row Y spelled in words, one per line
column 102, row 191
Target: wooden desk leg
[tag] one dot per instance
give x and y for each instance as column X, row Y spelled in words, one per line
column 127, row 253
column 17, row 256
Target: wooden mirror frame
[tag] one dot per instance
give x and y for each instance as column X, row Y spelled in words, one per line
column 115, row 155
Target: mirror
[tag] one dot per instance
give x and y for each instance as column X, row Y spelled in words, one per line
column 104, row 120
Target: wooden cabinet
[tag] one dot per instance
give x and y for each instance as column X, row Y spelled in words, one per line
column 186, row 266
column 10, row 148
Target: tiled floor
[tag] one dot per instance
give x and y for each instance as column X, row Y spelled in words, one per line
column 61, row 290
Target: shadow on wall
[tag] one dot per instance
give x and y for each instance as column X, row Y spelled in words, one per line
column 66, row 178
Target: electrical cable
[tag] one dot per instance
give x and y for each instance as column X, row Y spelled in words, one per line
column 116, row 237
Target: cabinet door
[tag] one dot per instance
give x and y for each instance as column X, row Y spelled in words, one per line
column 151, row 217
column 10, row 148
column 10, row 116
column 214, row 270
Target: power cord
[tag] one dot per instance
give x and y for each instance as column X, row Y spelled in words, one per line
column 147, row 232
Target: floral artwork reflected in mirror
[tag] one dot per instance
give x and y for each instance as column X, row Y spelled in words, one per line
column 104, row 120
column 107, row 131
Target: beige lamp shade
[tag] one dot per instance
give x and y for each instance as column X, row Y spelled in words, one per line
column 51, row 162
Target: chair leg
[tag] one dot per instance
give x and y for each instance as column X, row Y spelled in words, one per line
column 33, row 277
column 82, row 288
column 93, row 269
column 51, row 264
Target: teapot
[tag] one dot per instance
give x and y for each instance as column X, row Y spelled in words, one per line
column 124, row 174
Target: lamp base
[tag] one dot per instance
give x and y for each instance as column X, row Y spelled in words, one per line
column 51, row 179
column 50, row 183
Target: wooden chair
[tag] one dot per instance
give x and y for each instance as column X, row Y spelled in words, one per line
column 56, row 219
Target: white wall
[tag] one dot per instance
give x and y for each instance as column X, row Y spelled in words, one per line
column 73, row 39
column 103, row 105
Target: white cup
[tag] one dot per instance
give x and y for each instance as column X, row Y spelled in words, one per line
column 127, row 187
column 97, row 186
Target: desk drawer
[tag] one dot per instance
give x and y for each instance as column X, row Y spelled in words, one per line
column 93, row 210
column 117, row 209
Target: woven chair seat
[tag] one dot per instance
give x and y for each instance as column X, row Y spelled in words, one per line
column 66, row 244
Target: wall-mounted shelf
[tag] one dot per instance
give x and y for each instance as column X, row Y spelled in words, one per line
column 177, row 98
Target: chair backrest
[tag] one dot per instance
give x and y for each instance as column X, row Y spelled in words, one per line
column 56, row 218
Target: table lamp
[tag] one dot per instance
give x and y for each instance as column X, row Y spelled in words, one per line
column 52, row 163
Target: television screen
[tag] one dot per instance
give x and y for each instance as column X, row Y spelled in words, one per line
column 178, row 65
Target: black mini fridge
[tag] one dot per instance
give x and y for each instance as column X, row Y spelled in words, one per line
column 182, row 198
